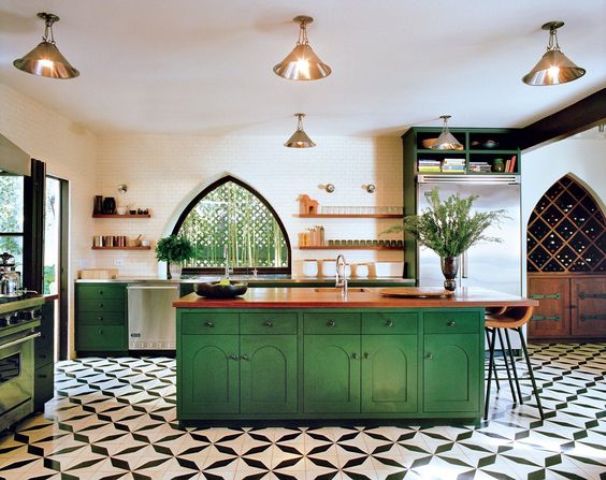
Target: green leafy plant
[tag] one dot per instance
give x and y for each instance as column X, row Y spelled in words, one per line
column 449, row 228
column 174, row 249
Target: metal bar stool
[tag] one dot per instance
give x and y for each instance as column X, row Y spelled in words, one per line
column 502, row 320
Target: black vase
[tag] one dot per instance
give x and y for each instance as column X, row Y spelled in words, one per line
column 109, row 205
column 450, row 268
column 98, row 204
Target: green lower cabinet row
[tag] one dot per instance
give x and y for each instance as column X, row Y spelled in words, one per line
column 431, row 375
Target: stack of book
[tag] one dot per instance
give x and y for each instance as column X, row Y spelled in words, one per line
column 480, row 167
column 429, row 166
column 510, row 164
column 453, row 165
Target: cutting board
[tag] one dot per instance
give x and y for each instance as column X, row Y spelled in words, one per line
column 416, row 292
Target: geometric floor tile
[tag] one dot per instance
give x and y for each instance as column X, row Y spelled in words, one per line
column 114, row 418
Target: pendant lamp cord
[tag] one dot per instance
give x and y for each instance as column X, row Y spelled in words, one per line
column 303, row 34
column 553, row 40
column 48, row 31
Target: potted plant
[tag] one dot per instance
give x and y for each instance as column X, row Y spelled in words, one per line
column 174, row 250
column 449, row 228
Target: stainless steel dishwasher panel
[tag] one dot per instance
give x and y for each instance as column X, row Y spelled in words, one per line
column 152, row 317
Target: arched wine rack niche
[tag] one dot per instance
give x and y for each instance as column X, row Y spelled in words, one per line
column 566, row 231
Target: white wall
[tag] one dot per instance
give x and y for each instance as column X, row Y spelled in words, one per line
column 584, row 158
column 164, row 172
column 69, row 152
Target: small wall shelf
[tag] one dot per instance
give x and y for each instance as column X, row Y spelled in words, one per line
column 122, row 248
column 351, row 215
column 115, row 215
column 349, row 247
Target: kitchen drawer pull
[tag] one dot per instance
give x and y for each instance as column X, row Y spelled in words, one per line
column 100, row 318
column 366, row 355
column 209, row 324
column 429, row 356
column 233, row 356
column 389, row 323
column 100, row 292
column 331, row 323
column 245, row 357
column 268, row 323
column 100, row 305
column 354, row 355
column 451, row 323
column 100, row 332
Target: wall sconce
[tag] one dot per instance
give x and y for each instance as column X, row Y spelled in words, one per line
column 122, row 188
column 370, row 188
column 329, row 187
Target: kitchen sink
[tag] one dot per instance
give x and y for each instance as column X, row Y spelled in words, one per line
column 338, row 289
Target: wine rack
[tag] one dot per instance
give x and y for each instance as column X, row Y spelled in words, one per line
column 566, row 231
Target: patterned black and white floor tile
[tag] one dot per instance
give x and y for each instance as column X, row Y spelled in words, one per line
column 115, row 419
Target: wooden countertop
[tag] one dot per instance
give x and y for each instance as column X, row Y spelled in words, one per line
column 368, row 298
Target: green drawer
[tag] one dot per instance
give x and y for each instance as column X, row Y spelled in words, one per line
column 269, row 323
column 101, row 337
column 331, row 323
column 101, row 297
column 208, row 323
column 389, row 322
column 100, row 318
column 452, row 321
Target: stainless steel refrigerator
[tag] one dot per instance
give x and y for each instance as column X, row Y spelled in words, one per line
column 495, row 266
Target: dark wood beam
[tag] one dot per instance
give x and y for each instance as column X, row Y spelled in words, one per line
column 575, row 118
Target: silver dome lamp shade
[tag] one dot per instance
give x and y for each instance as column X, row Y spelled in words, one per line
column 446, row 140
column 299, row 139
column 554, row 68
column 45, row 59
column 302, row 63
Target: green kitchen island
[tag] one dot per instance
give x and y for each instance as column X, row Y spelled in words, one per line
column 282, row 354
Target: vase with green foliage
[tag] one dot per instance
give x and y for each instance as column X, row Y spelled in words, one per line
column 174, row 250
column 449, row 228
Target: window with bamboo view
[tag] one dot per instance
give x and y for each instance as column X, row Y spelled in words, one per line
column 231, row 224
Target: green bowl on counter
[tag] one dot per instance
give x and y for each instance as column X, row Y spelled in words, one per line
column 218, row 290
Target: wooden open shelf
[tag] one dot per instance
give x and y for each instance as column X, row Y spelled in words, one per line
column 349, row 247
column 122, row 248
column 352, row 215
column 115, row 215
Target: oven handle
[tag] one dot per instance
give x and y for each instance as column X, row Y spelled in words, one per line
column 20, row 340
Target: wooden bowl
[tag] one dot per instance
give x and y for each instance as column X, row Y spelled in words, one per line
column 214, row 290
column 428, row 142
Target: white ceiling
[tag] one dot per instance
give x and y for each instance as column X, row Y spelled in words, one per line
column 205, row 66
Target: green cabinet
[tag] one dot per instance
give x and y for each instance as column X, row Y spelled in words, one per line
column 101, row 319
column 451, row 373
column 220, row 375
column 268, row 373
column 389, row 373
column 424, row 363
column 209, row 374
column 331, row 373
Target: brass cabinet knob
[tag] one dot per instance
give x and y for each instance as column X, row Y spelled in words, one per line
column 366, row 355
column 429, row 356
column 331, row 323
column 451, row 323
column 389, row 323
column 268, row 323
column 100, row 318
column 233, row 356
column 244, row 357
column 354, row 355
column 209, row 324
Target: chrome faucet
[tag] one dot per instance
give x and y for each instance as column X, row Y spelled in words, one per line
column 341, row 278
column 226, row 255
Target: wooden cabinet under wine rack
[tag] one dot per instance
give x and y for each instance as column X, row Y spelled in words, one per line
column 566, row 263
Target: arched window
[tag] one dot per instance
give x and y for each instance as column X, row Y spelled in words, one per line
column 230, row 223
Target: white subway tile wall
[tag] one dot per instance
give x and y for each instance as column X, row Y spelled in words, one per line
column 164, row 172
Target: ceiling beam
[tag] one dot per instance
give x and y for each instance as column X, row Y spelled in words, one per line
column 579, row 116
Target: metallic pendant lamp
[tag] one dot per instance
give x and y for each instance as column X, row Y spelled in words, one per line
column 554, row 67
column 446, row 140
column 299, row 139
column 302, row 63
column 46, row 60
